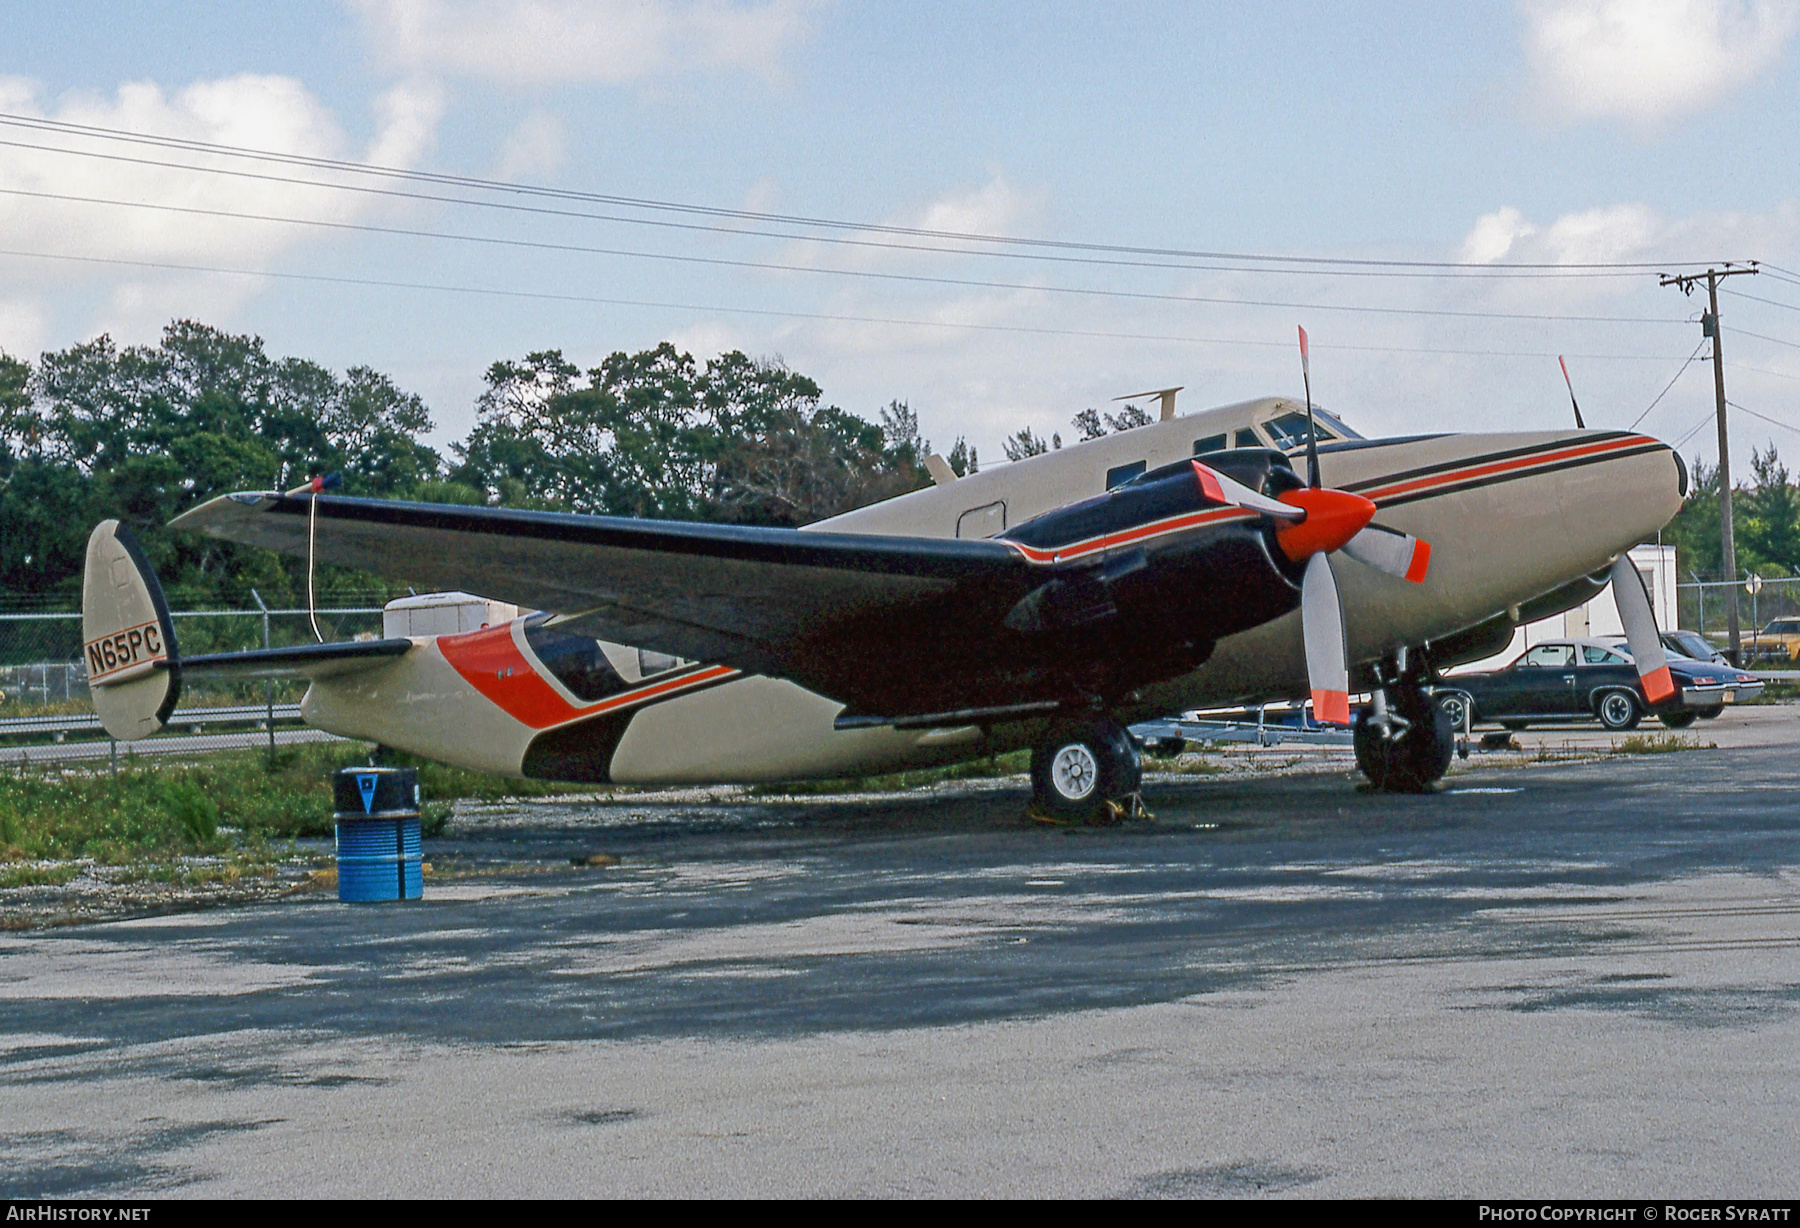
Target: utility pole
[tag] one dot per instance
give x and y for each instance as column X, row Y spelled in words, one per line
column 1709, row 327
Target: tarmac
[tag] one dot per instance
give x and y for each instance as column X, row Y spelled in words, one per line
column 1567, row 973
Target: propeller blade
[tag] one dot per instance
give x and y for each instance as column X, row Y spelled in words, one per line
column 1398, row 554
column 1640, row 630
column 1322, row 625
column 1221, row 489
column 1312, row 432
column 1579, row 424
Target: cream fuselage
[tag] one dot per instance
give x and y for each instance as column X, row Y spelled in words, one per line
column 1503, row 530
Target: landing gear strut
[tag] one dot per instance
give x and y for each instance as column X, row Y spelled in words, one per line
column 1404, row 740
column 1085, row 772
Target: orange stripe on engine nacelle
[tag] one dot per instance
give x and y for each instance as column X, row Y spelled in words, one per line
column 1658, row 685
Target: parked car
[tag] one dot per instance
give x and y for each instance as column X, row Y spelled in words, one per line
column 1689, row 644
column 1778, row 643
column 1561, row 681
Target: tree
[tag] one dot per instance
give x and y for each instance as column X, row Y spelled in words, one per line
column 650, row 434
column 1024, row 443
column 1770, row 527
column 145, row 432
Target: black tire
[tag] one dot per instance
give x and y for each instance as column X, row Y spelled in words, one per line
column 1413, row 762
column 1678, row 720
column 1709, row 714
column 1618, row 711
column 1515, row 726
column 1078, row 767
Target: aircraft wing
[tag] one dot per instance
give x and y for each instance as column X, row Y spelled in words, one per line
column 828, row 610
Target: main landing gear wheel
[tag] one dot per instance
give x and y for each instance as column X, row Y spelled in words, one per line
column 1709, row 714
column 1418, row 752
column 1085, row 772
column 1679, row 720
column 1619, row 712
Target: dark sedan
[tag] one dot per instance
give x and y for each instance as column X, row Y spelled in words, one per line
column 1582, row 680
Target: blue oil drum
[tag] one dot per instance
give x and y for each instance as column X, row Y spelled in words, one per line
column 378, row 851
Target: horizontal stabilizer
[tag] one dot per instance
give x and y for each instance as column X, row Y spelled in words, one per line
column 310, row 661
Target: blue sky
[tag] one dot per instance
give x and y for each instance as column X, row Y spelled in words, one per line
column 1556, row 131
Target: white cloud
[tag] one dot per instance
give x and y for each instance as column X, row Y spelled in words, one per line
column 535, row 148
column 543, row 42
column 1647, row 60
column 990, row 209
column 259, row 112
column 1494, row 235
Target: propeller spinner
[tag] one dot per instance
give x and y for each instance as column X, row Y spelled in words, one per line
column 1312, row 524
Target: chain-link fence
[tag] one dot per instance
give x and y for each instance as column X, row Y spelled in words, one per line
column 1763, row 607
column 47, row 715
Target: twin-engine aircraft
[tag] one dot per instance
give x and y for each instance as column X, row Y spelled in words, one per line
column 1047, row 603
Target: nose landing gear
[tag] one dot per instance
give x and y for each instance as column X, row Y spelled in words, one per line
column 1086, row 772
column 1404, row 740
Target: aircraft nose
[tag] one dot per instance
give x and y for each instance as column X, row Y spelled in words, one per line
column 1626, row 499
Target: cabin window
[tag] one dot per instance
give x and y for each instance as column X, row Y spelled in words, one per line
column 651, row 663
column 1289, row 431
column 1124, row 473
column 1246, row 438
column 576, row 661
column 1212, row 443
column 983, row 521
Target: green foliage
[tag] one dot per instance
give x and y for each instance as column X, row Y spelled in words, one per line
column 1765, row 520
column 145, row 432
column 1025, row 443
column 225, row 803
column 652, row 434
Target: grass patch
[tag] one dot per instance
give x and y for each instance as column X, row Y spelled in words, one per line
column 229, row 806
column 1657, row 744
column 38, row 876
column 1012, row 763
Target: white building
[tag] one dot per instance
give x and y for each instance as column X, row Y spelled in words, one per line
column 1600, row 616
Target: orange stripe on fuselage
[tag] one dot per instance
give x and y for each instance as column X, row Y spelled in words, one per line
column 1505, row 466
column 490, row 661
column 1421, row 559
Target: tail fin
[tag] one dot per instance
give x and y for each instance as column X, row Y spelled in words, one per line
column 134, row 668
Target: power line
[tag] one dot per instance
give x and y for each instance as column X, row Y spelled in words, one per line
column 1771, row 421
column 1669, row 385
column 1693, row 430
column 40, row 123
column 1744, row 332
column 1757, row 298
column 985, row 283
column 328, row 279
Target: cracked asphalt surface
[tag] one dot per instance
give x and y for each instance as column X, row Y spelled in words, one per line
column 1562, row 979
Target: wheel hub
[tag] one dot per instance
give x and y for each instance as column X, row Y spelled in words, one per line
column 1074, row 772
